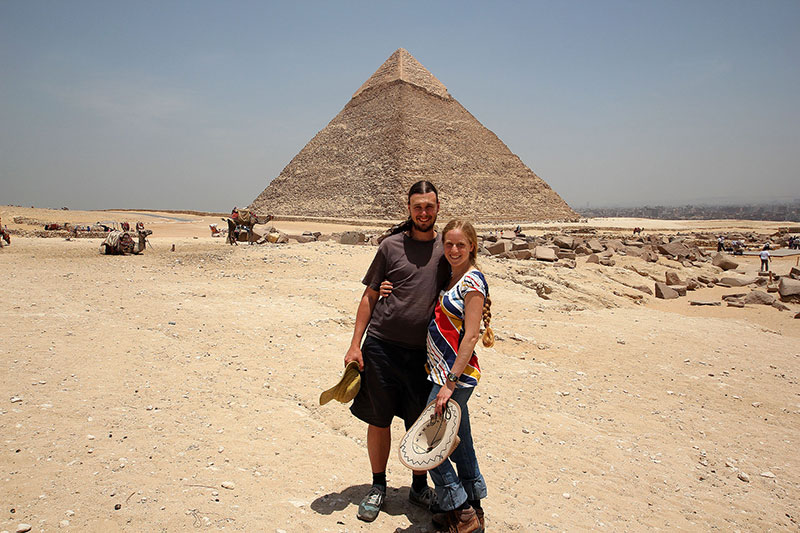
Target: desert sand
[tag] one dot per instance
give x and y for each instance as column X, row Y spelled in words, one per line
column 176, row 391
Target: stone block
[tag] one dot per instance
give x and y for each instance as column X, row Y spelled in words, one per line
column 665, row 292
column 789, row 288
column 672, row 278
column 674, row 249
column 737, row 281
column 759, row 297
column 302, row 239
column 594, row 258
column 520, row 244
column 680, row 289
column 737, row 296
column 724, row 262
column 499, row 247
column 566, row 254
column 594, row 245
column 544, row 253
column 563, row 241
column 632, row 251
column 692, row 284
column 352, row 237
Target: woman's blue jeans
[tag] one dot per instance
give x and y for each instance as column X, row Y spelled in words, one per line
column 453, row 489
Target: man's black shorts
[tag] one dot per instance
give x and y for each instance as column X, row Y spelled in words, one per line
column 393, row 383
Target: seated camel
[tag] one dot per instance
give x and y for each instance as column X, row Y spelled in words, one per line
column 121, row 242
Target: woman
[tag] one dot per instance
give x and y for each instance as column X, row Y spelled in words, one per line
column 453, row 333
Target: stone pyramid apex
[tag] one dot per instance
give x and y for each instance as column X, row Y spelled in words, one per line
column 402, row 126
column 401, row 66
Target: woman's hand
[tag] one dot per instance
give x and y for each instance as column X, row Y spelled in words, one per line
column 441, row 398
column 386, row 288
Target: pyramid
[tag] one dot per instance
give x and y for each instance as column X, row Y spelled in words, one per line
column 402, row 126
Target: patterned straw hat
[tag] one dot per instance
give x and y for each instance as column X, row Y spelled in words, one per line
column 431, row 439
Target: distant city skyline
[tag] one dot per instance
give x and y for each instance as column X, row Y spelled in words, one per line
column 198, row 105
column 702, row 202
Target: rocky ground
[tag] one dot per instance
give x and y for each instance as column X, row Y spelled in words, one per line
column 179, row 390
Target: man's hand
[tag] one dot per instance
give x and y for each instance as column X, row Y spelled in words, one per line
column 354, row 354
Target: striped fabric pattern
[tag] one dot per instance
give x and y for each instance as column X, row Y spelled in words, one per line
column 446, row 330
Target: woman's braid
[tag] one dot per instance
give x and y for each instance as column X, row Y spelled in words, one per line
column 488, row 334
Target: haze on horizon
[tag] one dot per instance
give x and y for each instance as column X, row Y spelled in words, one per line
column 198, row 105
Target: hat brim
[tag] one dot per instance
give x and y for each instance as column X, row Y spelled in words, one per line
column 346, row 389
column 431, row 439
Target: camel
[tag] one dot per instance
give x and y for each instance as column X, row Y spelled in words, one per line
column 4, row 235
column 244, row 220
column 121, row 242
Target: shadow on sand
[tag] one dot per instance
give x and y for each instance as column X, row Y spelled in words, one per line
column 396, row 504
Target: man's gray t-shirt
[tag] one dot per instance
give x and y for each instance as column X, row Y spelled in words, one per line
column 417, row 271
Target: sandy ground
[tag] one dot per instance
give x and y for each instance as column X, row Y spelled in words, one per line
column 134, row 388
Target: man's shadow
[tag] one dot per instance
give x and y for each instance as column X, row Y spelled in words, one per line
column 395, row 504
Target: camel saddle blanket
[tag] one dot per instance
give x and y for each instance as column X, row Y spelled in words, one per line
column 243, row 217
column 121, row 238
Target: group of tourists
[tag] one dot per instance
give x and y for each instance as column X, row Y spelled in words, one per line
column 735, row 247
column 416, row 328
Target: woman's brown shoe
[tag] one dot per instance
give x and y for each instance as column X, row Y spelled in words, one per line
column 442, row 520
column 463, row 521
column 479, row 512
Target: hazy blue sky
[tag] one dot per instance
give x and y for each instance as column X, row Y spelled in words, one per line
column 199, row 104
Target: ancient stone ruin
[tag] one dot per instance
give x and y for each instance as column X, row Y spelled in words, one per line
column 401, row 126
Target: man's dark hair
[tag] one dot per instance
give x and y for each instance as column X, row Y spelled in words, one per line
column 422, row 187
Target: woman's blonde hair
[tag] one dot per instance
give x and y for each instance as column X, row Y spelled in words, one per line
column 472, row 236
column 469, row 232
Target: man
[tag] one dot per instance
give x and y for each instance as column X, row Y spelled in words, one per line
column 392, row 358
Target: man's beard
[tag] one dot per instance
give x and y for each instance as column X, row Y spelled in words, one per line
column 426, row 227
